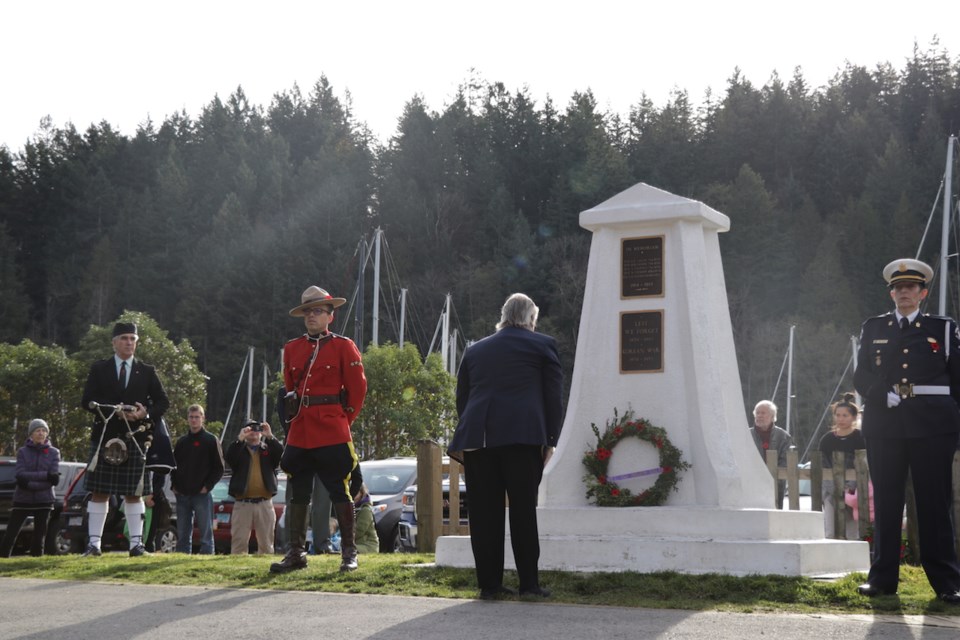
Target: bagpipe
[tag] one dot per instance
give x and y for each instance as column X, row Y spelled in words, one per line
column 150, row 438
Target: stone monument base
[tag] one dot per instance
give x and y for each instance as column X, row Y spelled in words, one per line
column 692, row 540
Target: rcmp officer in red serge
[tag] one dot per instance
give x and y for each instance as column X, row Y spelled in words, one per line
column 908, row 372
column 323, row 376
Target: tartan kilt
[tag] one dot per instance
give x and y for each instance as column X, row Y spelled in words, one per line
column 125, row 479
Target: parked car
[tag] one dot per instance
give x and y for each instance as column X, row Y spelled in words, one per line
column 408, row 515
column 72, row 535
column 8, row 482
column 386, row 481
column 223, row 512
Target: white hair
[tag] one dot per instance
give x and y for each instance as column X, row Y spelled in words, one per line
column 768, row 404
column 519, row 311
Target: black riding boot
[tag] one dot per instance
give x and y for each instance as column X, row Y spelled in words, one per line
column 348, row 543
column 296, row 557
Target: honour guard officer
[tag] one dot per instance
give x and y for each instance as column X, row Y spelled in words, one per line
column 325, row 384
column 908, row 372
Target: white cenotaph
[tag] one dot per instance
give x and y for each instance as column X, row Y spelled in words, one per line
column 656, row 338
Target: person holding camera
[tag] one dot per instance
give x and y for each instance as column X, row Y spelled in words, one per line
column 325, row 385
column 117, row 442
column 254, row 459
column 199, row 467
column 37, row 473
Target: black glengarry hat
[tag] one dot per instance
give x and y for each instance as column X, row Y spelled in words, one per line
column 124, row 327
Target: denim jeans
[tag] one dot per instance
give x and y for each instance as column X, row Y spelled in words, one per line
column 200, row 507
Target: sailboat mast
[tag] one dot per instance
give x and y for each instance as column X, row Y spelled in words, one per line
column 445, row 335
column 250, row 385
column 358, row 315
column 945, row 236
column 263, row 413
column 403, row 313
column 376, row 287
column 790, row 377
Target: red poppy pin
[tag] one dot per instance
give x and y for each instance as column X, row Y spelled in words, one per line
column 934, row 345
column 196, row 444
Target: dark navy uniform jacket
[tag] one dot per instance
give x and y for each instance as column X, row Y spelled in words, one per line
column 916, row 355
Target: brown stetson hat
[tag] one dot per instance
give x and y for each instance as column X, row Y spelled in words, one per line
column 312, row 297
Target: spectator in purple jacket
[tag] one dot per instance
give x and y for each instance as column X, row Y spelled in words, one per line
column 37, row 472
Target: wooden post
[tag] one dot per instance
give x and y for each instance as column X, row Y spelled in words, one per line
column 863, row 491
column 455, row 512
column 772, row 467
column 429, row 496
column 839, row 463
column 793, row 479
column 816, row 481
column 454, row 528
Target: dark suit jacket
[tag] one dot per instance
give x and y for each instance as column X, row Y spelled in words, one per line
column 102, row 387
column 916, row 355
column 509, row 391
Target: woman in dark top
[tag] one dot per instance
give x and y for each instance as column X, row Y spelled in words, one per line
column 846, row 437
column 38, row 472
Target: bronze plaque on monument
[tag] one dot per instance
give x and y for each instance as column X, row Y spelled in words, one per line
column 641, row 341
column 641, row 267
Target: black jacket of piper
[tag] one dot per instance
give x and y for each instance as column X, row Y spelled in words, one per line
column 199, row 463
column 143, row 386
column 239, row 460
column 916, row 355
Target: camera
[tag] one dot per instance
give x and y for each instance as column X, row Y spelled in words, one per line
column 254, row 425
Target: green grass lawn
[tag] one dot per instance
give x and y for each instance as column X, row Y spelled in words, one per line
column 415, row 575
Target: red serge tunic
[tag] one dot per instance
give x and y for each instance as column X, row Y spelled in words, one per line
column 337, row 366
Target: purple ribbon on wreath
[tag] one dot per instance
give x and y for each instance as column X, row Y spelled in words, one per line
column 635, row 474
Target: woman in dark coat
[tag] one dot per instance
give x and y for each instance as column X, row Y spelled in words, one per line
column 37, row 472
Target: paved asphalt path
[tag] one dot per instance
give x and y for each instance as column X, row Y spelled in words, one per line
column 42, row 609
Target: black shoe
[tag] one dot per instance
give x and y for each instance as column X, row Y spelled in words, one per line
column 91, row 552
column 867, row 589
column 325, row 547
column 138, row 551
column 496, row 593
column 950, row 597
column 539, row 592
column 295, row 559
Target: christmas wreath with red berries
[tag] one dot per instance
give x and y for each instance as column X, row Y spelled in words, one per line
column 603, row 489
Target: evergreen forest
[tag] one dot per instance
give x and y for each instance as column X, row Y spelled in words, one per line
column 214, row 223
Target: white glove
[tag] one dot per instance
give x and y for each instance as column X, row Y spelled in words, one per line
column 893, row 399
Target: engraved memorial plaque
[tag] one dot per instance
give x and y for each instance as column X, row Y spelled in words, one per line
column 641, row 341
column 641, row 267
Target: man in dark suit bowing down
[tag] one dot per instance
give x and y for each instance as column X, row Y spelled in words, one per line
column 509, row 390
column 118, row 444
column 908, row 372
